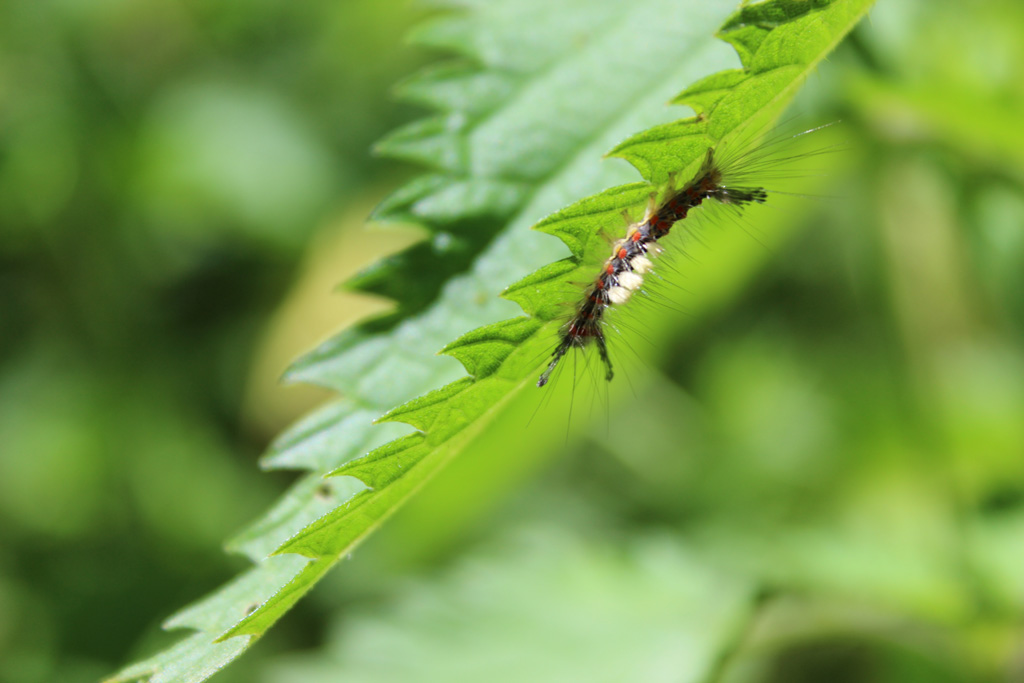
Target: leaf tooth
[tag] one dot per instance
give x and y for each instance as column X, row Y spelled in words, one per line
column 577, row 224
column 396, row 206
column 454, row 33
column 233, row 601
column 464, row 201
column 538, row 294
column 318, row 441
column 458, row 86
column 266, row 614
column 671, row 146
column 308, row 499
column 705, row 94
column 436, row 142
column 383, row 465
column 483, row 350
column 423, row 412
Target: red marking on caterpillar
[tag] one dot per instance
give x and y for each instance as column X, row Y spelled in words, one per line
column 724, row 178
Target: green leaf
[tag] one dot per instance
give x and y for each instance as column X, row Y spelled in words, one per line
column 543, row 90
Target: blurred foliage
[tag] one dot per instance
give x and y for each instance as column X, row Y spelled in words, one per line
column 846, row 436
column 533, row 605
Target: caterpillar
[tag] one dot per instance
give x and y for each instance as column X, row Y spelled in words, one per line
column 721, row 178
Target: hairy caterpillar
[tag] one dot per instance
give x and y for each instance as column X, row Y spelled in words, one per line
column 723, row 178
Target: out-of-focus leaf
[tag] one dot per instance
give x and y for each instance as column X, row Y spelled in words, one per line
column 545, row 607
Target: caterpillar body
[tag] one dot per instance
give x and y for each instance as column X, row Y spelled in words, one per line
column 623, row 272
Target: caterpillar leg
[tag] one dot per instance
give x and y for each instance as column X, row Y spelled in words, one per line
column 560, row 350
column 602, row 350
column 740, row 195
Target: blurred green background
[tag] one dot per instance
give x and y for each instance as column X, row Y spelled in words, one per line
column 829, row 476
